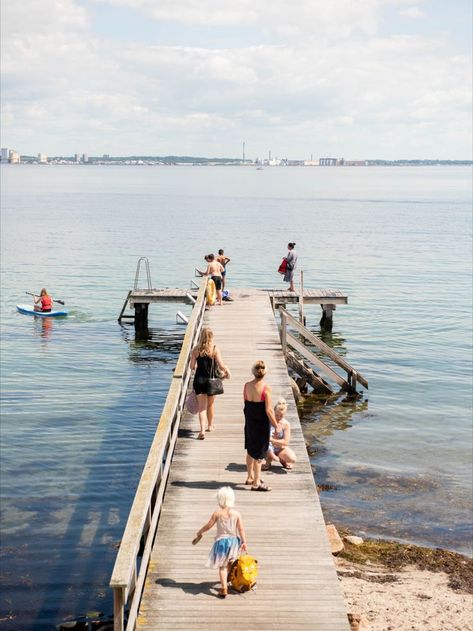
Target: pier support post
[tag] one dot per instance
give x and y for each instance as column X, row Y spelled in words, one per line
column 141, row 316
column 326, row 322
column 284, row 332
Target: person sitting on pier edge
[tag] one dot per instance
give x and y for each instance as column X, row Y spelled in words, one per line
column 214, row 270
column 259, row 416
column 230, row 538
column 223, row 260
column 291, row 260
column 279, row 451
column 205, row 357
column 46, row 301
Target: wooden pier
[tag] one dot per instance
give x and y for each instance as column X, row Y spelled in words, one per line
column 159, row 577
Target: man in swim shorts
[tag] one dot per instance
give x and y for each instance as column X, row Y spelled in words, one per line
column 223, row 260
column 214, row 270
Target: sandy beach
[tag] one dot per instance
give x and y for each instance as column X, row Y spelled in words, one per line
column 395, row 587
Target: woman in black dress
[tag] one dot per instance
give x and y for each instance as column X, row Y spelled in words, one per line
column 259, row 416
column 203, row 356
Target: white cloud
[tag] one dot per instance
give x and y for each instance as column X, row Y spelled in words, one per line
column 337, row 18
column 412, row 12
column 66, row 90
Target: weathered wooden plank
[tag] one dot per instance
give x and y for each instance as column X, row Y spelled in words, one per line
column 305, row 352
column 321, row 345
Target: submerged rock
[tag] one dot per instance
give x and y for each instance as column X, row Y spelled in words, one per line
column 353, row 539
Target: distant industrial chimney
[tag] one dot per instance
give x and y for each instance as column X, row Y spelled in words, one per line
column 243, row 152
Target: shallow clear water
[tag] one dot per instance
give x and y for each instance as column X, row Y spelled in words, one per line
column 81, row 396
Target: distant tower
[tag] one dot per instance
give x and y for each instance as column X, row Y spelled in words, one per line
column 243, row 152
column 270, row 155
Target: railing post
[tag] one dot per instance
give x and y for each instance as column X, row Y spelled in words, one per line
column 353, row 380
column 301, row 301
column 118, row 609
column 283, row 332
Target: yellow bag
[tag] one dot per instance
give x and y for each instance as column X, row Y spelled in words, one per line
column 211, row 292
column 243, row 573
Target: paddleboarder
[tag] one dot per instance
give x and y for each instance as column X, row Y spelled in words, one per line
column 46, row 301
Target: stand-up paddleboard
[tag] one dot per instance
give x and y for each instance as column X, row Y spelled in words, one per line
column 29, row 310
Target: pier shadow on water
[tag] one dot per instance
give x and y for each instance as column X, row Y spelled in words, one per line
column 57, row 564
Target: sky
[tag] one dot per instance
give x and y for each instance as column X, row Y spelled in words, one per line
column 356, row 79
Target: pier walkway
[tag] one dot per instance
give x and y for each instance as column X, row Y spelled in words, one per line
column 298, row 588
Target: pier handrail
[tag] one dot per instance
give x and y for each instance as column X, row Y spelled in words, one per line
column 133, row 556
column 353, row 376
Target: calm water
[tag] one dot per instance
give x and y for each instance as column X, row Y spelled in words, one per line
column 81, row 397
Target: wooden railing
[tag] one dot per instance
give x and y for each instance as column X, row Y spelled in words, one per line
column 353, row 376
column 133, row 556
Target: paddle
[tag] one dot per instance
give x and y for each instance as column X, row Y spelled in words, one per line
column 61, row 302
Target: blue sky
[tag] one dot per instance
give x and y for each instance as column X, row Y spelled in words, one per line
column 358, row 79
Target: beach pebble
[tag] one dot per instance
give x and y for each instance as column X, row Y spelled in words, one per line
column 357, row 621
column 356, row 541
column 336, row 544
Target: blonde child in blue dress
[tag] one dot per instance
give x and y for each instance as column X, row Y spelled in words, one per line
column 230, row 537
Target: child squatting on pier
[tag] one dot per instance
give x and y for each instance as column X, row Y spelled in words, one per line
column 230, row 537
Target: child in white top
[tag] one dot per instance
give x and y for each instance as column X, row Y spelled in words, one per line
column 279, row 451
column 230, row 536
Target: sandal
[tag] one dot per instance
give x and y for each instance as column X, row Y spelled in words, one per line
column 266, row 467
column 287, row 466
column 261, row 487
column 201, row 436
column 222, row 593
column 248, row 481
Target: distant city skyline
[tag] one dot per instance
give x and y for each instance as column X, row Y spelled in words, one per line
column 388, row 79
column 12, row 156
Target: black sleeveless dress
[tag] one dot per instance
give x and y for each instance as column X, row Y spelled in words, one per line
column 257, row 429
column 202, row 374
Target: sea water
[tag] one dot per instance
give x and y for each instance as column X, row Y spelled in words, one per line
column 81, row 396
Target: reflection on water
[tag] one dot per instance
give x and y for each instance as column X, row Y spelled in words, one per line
column 152, row 344
column 43, row 327
column 79, row 468
column 322, row 415
column 334, row 339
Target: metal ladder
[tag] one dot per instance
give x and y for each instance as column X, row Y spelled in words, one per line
column 142, row 259
column 148, row 274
